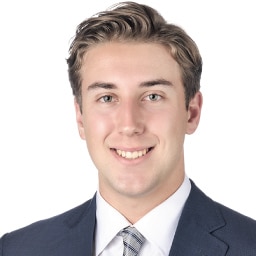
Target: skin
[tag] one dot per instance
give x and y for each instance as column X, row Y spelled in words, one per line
column 134, row 122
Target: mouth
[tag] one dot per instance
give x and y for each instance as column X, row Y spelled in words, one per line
column 132, row 154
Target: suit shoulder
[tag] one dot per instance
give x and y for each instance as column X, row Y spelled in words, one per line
column 200, row 202
column 238, row 223
column 44, row 232
column 232, row 229
column 69, row 217
column 239, row 232
column 235, row 215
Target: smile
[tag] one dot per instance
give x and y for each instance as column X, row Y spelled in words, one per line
column 133, row 154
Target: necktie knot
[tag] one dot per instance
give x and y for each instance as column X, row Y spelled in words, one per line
column 132, row 240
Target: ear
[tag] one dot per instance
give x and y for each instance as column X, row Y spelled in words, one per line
column 194, row 112
column 79, row 120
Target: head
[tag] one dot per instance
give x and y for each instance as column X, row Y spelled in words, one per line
column 133, row 22
column 129, row 70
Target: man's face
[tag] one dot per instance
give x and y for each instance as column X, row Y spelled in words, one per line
column 134, row 118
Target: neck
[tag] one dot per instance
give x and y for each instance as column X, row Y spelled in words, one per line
column 133, row 208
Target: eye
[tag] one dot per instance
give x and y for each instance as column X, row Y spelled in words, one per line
column 106, row 98
column 153, row 97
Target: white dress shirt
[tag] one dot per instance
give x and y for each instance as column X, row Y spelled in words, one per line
column 158, row 226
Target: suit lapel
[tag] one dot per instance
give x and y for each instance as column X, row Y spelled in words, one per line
column 81, row 226
column 194, row 234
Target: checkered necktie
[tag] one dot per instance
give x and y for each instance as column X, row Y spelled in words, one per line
column 132, row 240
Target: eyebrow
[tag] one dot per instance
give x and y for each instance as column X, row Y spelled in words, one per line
column 101, row 85
column 156, row 82
column 107, row 86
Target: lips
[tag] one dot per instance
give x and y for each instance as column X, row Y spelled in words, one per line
column 132, row 154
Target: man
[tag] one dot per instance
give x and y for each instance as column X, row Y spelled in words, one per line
column 136, row 82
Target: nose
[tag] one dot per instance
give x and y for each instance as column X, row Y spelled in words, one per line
column 130, row 119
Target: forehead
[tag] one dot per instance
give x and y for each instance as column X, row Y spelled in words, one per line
column 139, row 61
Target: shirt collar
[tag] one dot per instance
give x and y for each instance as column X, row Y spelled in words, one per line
column 109, row 223
column 163, row 219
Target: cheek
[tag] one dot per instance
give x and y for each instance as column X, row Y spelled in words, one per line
column 171, row 125
column 97, row 126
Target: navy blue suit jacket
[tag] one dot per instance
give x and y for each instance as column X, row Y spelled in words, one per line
column 205, row 228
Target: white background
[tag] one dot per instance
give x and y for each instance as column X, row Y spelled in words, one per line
column 44, row 166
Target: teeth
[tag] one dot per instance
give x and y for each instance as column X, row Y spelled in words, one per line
column 132, row 155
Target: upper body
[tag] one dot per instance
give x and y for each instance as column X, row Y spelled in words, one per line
column 205, row 228
column 136, row 85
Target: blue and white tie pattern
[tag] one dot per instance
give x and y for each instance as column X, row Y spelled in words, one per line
column 132, row 240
